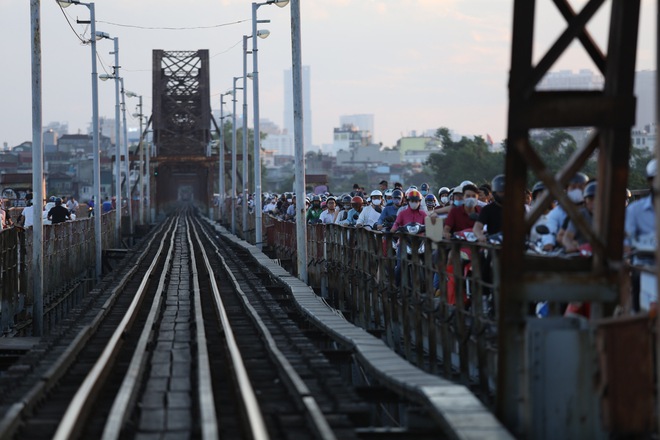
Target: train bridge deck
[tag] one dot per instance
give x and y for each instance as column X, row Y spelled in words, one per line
column 160, row 349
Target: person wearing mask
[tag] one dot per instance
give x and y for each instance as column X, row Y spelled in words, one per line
column 431, row 202
column 537, row 190
column 465, row 206
column 344, row 208
column 443, row 197
column 556, row 219
column 356, row 208
column 413, row 214
column 390, row 210
column 490, row 216
column 370, row 215
column 330, row 214
column 424, row 189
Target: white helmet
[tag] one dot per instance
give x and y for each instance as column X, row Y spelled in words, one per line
column 388, row 192
column 443, row 190
column 376, row 193
column 466, row 182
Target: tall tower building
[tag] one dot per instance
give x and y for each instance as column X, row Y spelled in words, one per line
column 307, row 106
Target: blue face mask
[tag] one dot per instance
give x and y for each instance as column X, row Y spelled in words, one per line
column 459, row 202
column 424, row 192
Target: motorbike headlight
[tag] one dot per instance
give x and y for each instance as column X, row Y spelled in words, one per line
column 413, row 229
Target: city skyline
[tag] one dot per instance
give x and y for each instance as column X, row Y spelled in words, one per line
column 415, row 65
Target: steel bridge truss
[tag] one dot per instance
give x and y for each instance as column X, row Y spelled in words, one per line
column 181, row 102
column 611, row 112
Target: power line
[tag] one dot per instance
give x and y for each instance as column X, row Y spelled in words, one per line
column 70, row 25
column 164, row 28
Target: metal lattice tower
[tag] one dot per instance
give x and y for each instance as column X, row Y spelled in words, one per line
column 181, row 102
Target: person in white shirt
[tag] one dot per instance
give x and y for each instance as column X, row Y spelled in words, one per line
column 371, row 214
column 28, row 215
column 330, row 214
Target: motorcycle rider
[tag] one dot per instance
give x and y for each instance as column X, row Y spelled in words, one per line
column 356, row 208
column 490, row 215
column 389, row 213
column 314, row 212
column 557, row 217
column 370, row 215
column 573, row 237
column 413, row 214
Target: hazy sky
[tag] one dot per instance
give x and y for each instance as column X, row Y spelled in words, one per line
column 414, row 64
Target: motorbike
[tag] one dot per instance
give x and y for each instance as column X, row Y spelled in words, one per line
column 403, row 247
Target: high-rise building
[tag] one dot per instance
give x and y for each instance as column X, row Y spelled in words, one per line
column 645, row 94
column 307, row 106
column 584, row 79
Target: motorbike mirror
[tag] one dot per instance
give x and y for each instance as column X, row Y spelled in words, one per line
column 542, row 230
column 356, row 216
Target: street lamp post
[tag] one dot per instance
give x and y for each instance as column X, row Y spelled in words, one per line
column 245, row 141
column 233, row 157
column 255, row 109
column 221, row 153
column 117, row 146
column 140, row 115
column 127, row 160
column 95, row 134
column 37, row 173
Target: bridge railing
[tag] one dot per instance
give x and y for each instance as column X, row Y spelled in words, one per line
column 411, row 300
column 68, row 260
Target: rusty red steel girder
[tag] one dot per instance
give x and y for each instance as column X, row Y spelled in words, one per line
column 612, row 112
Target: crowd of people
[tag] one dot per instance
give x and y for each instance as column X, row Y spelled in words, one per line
column 56, row 210
column 478, row 209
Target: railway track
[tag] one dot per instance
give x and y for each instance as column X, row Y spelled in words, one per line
column 198, row 335
column 191, row 343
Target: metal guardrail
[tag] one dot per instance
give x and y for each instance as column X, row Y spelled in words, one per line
column 68, row 258
column 415, row 312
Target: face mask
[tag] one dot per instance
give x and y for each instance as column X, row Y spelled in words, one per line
column 414, row 205
column 288, row 200
column 376, row 202
column 576, row 195
column 444, row 200
column 397, row 202
column 424, row 192
column 470, row 202
column 458, row 202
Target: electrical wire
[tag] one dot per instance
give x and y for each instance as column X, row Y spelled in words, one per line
column 66, row 17
column 227, row 50
column 163, row 28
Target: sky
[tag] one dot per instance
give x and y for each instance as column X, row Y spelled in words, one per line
column 413, row 64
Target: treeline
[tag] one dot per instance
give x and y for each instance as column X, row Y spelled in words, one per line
column 471, row 159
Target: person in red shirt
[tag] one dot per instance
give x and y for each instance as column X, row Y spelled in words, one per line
column 462, row 216
column 412, row 214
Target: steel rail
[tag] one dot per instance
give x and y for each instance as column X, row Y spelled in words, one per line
column 248, row 396
column 130, row 385
column 209, row 420
column 314, row 414
column 10, row 423
column 81, row 401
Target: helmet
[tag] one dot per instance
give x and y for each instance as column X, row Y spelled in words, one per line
column 651, row 169
column 458, row 189
column 497, row 183
column 357, row 199
column 397, row 193
column 467, row 182
column 590, row 190
column 628, row 194
column 538, row 186
column 333, row 198
column 345, row 199
column 443, row 190
column 430, row 200
column 424, row 187
column 52, row 198
column 376, row 192
column 414, row 196
column 388, row 192
column 579, row 178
